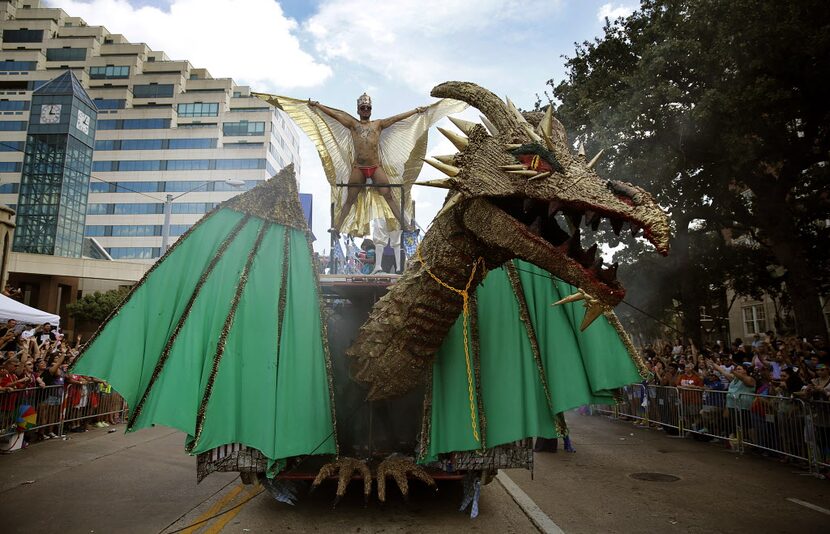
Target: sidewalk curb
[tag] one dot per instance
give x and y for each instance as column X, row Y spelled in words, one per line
column 541, row 520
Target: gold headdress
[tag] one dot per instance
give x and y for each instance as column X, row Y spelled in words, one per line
column 364, row 100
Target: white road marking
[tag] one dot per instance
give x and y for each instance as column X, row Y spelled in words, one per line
column 544, row 523
column 809, row 505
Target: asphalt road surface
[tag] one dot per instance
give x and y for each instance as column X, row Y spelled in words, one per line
column 145, row 483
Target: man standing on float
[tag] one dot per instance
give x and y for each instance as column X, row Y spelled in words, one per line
column 366, row 140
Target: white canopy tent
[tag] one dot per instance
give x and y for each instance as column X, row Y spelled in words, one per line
column 11, row 309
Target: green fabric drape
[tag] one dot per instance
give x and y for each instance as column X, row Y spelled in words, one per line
column 579, row 367
column 274, row 399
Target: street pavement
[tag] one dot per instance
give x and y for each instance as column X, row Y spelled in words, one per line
column 144, row 483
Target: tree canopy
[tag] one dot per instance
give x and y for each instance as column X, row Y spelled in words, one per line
column 97, row 306
column 720, row 110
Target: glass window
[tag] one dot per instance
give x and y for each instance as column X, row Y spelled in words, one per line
column 22, row 36
column 11, row 146
column 243, row 145
column 140, row 187
column 225, row 164
column 198, row 109
column 9, row 166
column 140, row 230
column 99, row 209
column 18, row 66
column 101, row 187
column 148, row 208
column 188, row 164
column 107, row 144
column 133, row 124
column 179, row 229
column 141, row 144
column 153, row 90
column 134, row 253
column 755, row 319
column 192, row 207
column 104, row 166
column 9, row 188
column 180, row 186
column 97, row 230
column 13, row 126
column 243, row 128
column 192, row 143
column 14, row 105
column 65, row 54
column 110, row 103
column 110, row 72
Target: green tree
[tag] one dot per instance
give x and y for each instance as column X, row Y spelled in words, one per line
column 97, row 306
column 720, row 109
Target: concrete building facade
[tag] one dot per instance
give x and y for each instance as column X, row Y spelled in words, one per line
column 164, row 127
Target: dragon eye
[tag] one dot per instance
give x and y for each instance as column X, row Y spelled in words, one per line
column 537, row 158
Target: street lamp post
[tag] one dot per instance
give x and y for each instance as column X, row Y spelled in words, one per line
column 168, row 210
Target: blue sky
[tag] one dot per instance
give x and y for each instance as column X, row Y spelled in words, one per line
column 334, row 50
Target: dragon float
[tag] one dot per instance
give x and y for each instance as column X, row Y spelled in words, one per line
column 448, row 375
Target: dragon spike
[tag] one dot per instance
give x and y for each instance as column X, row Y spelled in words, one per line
column 461, row 124
column 493, row 130
column 530, row 133
column 548, row 142
column 443, row 183
column 523, row 173
column 455, row 199
column 591, row 313
column 539, row 176
column 516, row 167
column 448, row 159
column 546, row 125
column 580, row 150
column 512, row 146
column 459, row 141
column 579, row 295
column 595, row 159
column 515, row 111
column 449, row 170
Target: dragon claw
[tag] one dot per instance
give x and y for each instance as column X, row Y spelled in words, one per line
column 344, row 467
column 398, row 467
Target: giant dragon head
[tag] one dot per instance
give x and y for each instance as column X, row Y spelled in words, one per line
column 519, row 187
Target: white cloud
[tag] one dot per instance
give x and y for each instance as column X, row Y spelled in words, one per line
column 424, row 42
column 612, row 11
column 251, row 41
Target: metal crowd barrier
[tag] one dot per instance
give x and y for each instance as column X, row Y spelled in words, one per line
column 57, row 408
column 789, row 427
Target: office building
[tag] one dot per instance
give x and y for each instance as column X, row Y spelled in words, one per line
column 164, row 127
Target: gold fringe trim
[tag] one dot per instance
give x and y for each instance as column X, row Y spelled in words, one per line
column 426, row 419
column 286, row 254
column 165, row 353
column 324, row 336
column 223, row 337
column 475, row 347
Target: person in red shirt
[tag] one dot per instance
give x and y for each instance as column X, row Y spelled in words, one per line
column 691, row 394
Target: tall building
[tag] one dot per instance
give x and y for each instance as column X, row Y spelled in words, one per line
column 163, row 127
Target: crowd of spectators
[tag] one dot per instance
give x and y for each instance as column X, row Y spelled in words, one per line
column 758, row 386
column 34, row 363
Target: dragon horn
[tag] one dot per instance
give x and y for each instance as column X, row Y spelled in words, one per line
column 478, row 97
column 459, row 141
column 539, row 176
column 449, row 170
column 594, row 311
column 461, row 124
column 512, row 146
column 595, row 159
column 493, row 130
column 449, row 159
column 580, row 150
column 579, row 295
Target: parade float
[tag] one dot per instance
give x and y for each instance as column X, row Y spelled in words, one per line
column 501, row 321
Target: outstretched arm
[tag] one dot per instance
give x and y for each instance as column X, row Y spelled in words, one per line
column 340, row 116
column 389, row 121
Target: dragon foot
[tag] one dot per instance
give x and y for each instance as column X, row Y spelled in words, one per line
column 398, row 468
column 344, row 467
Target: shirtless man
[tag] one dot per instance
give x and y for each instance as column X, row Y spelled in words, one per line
column 366, row 139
